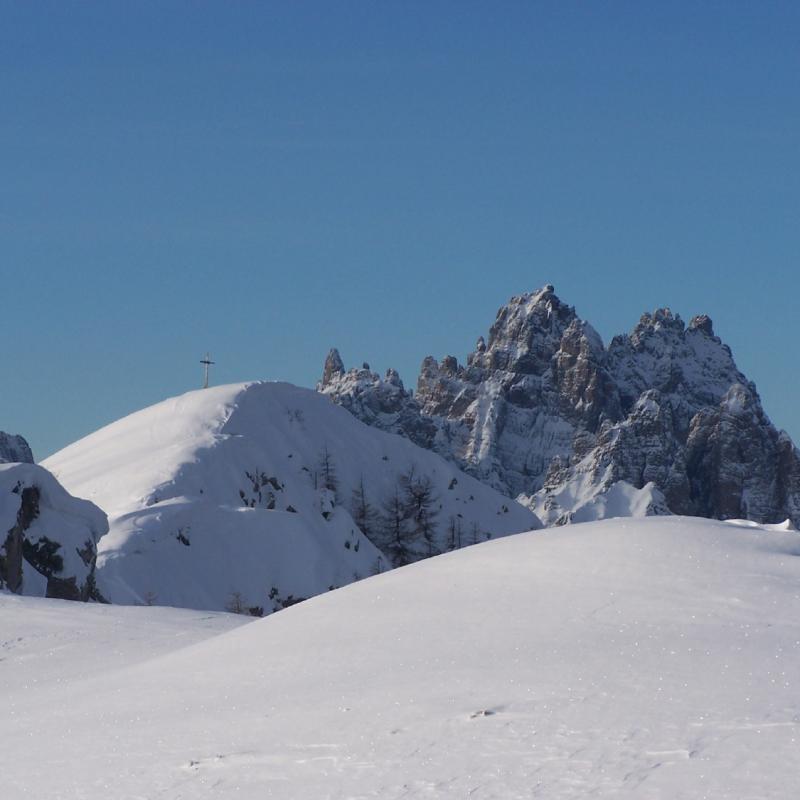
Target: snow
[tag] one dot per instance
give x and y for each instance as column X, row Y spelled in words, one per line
column 786, row 525
column 619, row 500
column 215, row 495
column 57, row 643
column 73, row 524
column 585, row 499
column 736, row 400
column 655, row 658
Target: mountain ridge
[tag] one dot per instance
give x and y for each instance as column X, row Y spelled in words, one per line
column 545, row 412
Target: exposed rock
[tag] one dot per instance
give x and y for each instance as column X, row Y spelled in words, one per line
column 545, row 411
column 381, row 402
column 14, row 449
column 739, row 466
column 333, row 367
column 48, row 539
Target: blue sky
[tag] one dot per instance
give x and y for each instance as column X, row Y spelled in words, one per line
column 265, row 180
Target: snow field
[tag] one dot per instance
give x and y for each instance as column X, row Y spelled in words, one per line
column 654, row 658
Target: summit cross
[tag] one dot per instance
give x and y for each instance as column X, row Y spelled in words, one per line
column 206, row 362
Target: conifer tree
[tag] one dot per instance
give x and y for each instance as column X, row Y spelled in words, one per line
column 420, row 502
column 393, row 534
column 326, row 471
column 362, row 511
column 454, row 533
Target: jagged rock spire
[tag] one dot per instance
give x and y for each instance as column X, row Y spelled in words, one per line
column 333, row 366
column 526, row 333
column 702, row 322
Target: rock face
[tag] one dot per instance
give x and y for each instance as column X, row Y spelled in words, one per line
column 543, row 411
column 14, row 449
column 48, row 539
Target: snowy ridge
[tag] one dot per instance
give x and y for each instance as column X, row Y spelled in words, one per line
column 654, row 658
column 219, row 498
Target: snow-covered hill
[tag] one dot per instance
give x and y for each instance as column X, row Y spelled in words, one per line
column 655, row 658
column 245, row 496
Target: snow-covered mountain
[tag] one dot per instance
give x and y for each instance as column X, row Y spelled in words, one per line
column 653, row 658
column 48, row 539
column 252, row 496
column 659, row 421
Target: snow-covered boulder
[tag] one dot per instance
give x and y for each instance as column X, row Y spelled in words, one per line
column 48, row 539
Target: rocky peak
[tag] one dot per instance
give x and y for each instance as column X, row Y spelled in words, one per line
column 544, row 409
column 393, row 377
column 702, row 323
column 382, row 402
column 14, row 449
column 333, row 366
column 526, row 333
column 690, row 366
column 661, row 323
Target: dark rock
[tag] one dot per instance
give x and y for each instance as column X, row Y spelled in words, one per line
column 333, row 366
column 14, row 449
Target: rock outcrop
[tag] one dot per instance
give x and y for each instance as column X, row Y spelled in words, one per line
column 14, row 449
column 543, row 411
column 48, row 539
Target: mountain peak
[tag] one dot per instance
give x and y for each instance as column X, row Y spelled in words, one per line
column 333, row 366
column 662, row 319
column 526, row 333
column 702, row 322
column 542, row 396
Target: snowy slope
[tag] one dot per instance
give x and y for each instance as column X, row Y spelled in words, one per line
column 583, row 500
column 217, row 497
column 655, row 658
column 50, row 643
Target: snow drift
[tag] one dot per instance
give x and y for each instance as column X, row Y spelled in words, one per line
column 655, row 658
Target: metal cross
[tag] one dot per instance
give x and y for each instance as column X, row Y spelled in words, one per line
column 206, row 362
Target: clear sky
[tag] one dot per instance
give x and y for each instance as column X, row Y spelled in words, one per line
column 267, row 179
